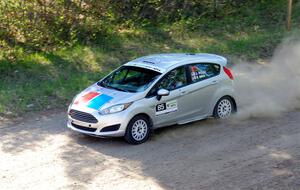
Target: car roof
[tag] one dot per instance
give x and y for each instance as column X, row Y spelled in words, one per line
column 162, row 62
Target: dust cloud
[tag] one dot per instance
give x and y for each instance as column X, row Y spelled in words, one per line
column 269, row 89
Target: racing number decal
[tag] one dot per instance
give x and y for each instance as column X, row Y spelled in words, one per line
column 167, row 107
column 160, row 107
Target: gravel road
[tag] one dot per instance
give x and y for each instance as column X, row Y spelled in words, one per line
column 41, row 153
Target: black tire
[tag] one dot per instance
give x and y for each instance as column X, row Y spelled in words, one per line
column 131, row 137
column 227, row 111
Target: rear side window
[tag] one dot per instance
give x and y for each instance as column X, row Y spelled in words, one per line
column 202, row 71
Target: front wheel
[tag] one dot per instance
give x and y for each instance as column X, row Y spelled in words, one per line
column 224, row 108
column 138, row 130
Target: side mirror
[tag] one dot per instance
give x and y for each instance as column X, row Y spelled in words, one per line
column 162, row 92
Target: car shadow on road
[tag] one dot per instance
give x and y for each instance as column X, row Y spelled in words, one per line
column 159, row 160
column 204, row 154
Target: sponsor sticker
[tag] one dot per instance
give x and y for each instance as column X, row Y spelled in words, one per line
column 198, row 75
column 167, row 107
column 87, row 97
column 99, row 101
column 94, row 100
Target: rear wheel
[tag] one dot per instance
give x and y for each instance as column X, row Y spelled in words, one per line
column 224, row 108
column 138, row 130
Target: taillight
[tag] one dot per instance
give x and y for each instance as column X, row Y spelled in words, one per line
column 228, row 73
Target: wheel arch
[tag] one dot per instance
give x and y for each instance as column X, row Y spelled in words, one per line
column 232, row 99
column 128, row 134
column 223, row 91
column 145, row 115
column 226, row 96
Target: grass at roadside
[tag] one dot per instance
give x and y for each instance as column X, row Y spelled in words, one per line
column 35, row 81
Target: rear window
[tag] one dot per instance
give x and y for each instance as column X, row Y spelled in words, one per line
column 202, row 71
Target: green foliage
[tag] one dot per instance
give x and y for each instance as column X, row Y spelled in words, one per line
column 41, row 25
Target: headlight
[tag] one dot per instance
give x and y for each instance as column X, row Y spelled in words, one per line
column 115, row 109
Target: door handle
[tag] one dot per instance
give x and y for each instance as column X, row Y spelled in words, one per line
column 183, row 92
column 214, row 82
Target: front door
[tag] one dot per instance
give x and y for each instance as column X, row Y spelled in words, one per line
column 169, row 109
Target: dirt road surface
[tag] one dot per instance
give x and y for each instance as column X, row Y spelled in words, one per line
column 41, row 153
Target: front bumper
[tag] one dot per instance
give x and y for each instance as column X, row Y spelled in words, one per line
column 120, row 119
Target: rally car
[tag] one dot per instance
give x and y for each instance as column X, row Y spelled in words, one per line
column 154, row 91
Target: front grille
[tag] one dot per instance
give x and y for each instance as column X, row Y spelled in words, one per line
column 82, row 116
column 84, row 128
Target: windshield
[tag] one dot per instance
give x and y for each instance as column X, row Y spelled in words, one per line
column 130, row 79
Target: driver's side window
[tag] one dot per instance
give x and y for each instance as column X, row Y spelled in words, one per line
column 171, row 81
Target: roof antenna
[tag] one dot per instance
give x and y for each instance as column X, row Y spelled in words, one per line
column 149, row 62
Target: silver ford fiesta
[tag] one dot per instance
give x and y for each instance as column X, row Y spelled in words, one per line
column 154, row 91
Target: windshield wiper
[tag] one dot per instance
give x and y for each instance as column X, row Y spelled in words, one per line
column 112, row 87
column 123, row 90
column 116, row 88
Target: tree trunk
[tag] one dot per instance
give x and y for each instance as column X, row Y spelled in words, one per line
column 289, row 15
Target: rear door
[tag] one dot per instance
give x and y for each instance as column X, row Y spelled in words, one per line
column 205, row 80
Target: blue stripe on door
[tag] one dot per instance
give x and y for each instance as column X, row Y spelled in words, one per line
column 99, row 101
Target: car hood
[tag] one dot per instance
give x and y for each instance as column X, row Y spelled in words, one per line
column 96, row 97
